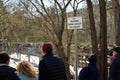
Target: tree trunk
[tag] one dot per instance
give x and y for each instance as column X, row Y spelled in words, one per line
column 61, row 53
column 116, row 9
column 92, row 27
column 103, row 41
column 60, row 47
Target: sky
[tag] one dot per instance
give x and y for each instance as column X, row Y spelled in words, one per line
column 69, row 8
column 47, row 3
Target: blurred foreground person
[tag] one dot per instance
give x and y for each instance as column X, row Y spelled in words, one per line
column 6, row 72
column 26, row 71
column 51, row 67
column 114, row 73
column 90, row 72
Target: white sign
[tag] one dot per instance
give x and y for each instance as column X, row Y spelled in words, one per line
column 74, row 22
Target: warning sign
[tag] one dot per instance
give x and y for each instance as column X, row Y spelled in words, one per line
column 74, row 22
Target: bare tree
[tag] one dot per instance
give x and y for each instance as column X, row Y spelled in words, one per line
column 103, row 41
column 53, row 22
column 116, row 10
column 92, row 27
column 102, row 55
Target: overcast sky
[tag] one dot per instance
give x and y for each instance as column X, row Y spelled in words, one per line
column 47, row 3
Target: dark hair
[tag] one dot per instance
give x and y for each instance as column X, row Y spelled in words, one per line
column 4, row 57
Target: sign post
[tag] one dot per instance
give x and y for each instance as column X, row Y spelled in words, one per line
column 75, row 23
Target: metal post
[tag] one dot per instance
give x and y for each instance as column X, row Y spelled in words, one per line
column 75, row 23
column 76, row 58
column 28, row 57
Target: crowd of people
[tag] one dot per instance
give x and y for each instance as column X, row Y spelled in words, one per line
column 53, row 68
column 23, row 71
column 92, row 72
column 50, row 67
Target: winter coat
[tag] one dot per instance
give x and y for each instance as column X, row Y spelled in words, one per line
column 90, row 72
column 115, row 68
column 51, row 68
column 23, row 77
column 7, row 73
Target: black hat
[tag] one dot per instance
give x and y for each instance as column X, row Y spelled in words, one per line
column 117, row 49
column 92, row 59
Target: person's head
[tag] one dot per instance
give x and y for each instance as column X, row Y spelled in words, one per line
column 92, row 59
column 116, row 50
column 46, row 48
column 4, row 58
column 26, row 68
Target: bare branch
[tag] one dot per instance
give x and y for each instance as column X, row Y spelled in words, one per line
column 45, row 17
column 80, row 1
column 27, row 8
column 64, row 2
column 46, row 11
column 42, row 13
column 6, row 1
column 56, row 1
column 67, row 5
column 77, row 4
column 57, row 13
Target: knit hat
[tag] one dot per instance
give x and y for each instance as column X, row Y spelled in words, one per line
column 92, row 59
column 47, row 47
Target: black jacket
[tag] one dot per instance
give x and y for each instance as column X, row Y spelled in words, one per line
column 7, row 73
column 51, row 68
column 90, row 72
column 115, row 68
